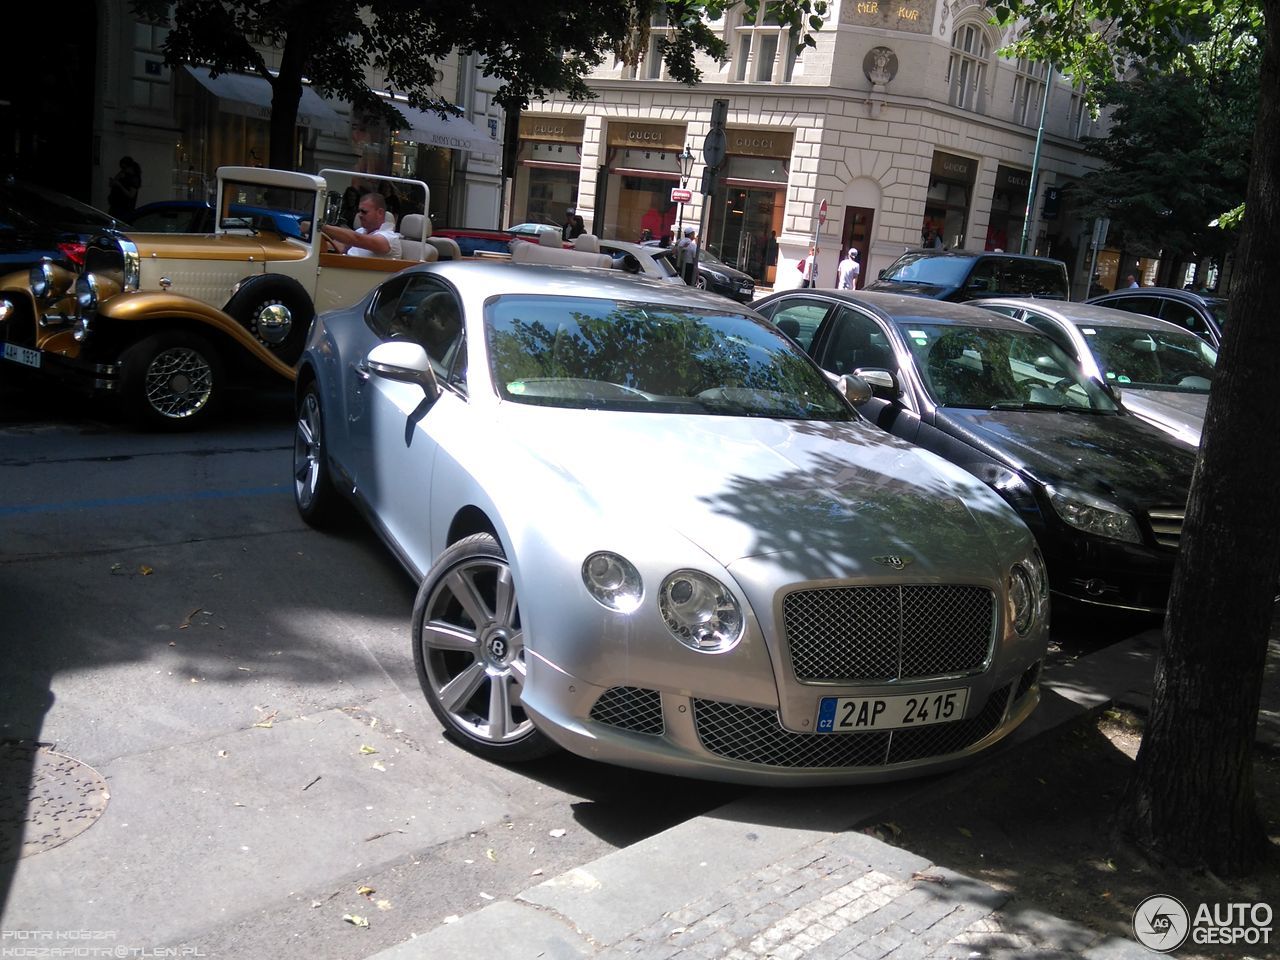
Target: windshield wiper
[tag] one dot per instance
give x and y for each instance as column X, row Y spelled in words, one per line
column 1027, row 405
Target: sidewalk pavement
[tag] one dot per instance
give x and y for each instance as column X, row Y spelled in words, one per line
column 783, row 875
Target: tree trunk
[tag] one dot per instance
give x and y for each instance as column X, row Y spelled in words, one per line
column 306, row 23
column 286, row 93
column 1192, row 797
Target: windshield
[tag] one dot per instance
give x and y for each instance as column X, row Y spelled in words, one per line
column 1000, row 369
column 923, row 268
column 599, row 354
column 252, row 206
column 1153, row 359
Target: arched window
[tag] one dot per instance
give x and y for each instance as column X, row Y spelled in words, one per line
column 967, row 70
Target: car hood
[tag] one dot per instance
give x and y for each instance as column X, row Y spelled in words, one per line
column 745, row 487
column 1121, row 458
column 911, row 288
column 1181, row 414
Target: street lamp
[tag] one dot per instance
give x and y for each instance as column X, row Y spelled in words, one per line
column 686, row 168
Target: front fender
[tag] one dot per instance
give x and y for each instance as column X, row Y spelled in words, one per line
column 146, row 306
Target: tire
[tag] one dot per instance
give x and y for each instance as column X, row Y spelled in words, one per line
column 701, row 282
column 313, row 491
column 172, row 380
column 469, row 650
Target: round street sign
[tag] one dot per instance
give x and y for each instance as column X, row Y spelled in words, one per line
column 713, row 148
column 822, row 212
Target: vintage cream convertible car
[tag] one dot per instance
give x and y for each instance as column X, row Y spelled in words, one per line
column 167, row 322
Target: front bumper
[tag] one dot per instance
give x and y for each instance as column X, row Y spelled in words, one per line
column 1108, row 573
column 682, row 734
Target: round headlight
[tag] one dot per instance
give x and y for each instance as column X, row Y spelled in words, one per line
column 81, row 329
column 40, row 278
column 1022, row 599
column 613, row 581
column 86, row 293
column 700, row 612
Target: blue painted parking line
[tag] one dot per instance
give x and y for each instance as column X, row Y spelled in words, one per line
column 149, row 500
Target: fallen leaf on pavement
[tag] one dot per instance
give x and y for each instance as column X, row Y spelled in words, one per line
column 930, row 878
column 366, row 749
column 382, row 904
column 491, row 855
column 145, row 570
column 377, row 765
column 365, row 891
column 355, row 921
column 965, row 832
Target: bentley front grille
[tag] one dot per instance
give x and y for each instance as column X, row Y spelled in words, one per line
column 875, row 634
column 630, row 708
column 754, row 735
column 1166, row 524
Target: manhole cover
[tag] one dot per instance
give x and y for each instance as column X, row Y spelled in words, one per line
column 45, row 799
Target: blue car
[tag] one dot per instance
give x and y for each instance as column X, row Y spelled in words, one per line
column 196, row 216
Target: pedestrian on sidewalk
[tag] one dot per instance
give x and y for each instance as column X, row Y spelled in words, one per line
column 848, row 271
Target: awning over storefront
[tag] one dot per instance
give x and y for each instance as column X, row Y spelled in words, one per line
column 249, row 96
column 455, row 133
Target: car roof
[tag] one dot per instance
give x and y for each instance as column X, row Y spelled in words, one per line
column 1173, row 293
column 975, row 254
column 1086, row 313
column 903, row 309
column 540, row 279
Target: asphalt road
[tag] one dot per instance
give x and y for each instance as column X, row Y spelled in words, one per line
column 245, row 687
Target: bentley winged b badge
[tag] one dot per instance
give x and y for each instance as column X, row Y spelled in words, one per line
column 894, row 561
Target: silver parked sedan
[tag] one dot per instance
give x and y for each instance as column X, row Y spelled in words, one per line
column 648, row 529
column 1163, row 371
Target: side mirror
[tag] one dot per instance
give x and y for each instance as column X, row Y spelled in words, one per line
column 404, row 362
column 883, row 273
column 882, row 383
column 854, row 389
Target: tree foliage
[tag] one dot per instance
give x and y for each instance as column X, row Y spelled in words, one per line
column 534, row 48
column 1192, row 798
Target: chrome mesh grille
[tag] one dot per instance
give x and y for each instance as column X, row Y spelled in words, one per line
column 1166, row 524
column 874, row 634
column 754, row 735
column 630, row 708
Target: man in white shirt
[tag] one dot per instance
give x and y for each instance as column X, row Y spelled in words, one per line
column 374, row 237
column 686, row 252
column 848, row 271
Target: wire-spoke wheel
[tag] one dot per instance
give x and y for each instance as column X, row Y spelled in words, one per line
column 468, row 645
column 172, row 380
column 313, row 490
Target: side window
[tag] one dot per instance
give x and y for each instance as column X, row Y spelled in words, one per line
column 429, row 314
column 1184, row 316
column 983, row 276
column 799, row 320
column 856, row 342
column 382, row 311
column 1051, row 329
column 1149, row 306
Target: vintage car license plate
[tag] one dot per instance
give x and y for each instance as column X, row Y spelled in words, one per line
column 853, row 714
column 23, row 355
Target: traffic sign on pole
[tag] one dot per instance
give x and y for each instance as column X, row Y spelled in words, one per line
column 822, row 212
column 680, row 195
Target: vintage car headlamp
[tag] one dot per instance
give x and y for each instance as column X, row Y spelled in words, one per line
column 40, row 278
column 86, row 293
column 700, row 612
column 1094, row 515
column 6, row 310
column 613, row 580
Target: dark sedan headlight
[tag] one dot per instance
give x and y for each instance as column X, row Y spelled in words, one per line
column 701, row 612
column 1094, row 515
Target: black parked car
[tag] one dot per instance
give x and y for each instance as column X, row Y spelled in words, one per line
column 36, row 222
column 718, row 277
column 1202, row 313
column 1103, row 491
column 959, row 275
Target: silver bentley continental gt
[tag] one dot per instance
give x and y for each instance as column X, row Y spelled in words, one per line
column 649, row 530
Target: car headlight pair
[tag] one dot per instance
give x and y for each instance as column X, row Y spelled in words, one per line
column 1094, row 515
column 1028, row 592
column 699, row 611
